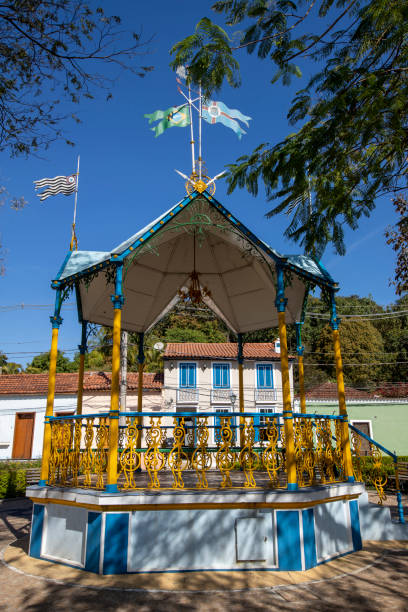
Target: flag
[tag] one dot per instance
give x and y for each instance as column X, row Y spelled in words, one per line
column 175, row 116
column 58, row 184
column 217, row 112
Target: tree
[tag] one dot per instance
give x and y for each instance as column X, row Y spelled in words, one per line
column 361, row 344
column 47, row 50
column 353, row 117
column 41, row 363
column 397, row 237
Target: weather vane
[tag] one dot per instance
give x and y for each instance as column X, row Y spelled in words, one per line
column 182, row 116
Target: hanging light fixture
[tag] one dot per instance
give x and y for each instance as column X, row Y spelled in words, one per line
column 194, row 293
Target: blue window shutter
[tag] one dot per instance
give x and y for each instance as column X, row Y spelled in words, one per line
column 264, row 376
column 192, row 375
column 182, row 374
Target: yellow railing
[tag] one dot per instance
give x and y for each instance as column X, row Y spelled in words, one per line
column 195, row 451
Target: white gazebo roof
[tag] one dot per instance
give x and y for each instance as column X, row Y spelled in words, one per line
column 236, row 267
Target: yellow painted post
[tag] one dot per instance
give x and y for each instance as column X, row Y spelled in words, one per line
column 300, row 350
column 334, row 322
column 112, row 470
column 82, row 352
column 287, row 404
column 56, row 322
column 241, row 389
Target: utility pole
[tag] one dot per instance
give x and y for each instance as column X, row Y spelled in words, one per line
column 123, row 370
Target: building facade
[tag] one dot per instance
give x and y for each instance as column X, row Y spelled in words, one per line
column 204, row 377
column 23, row 399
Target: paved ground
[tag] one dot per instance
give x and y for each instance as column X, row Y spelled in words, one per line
column 374, row 579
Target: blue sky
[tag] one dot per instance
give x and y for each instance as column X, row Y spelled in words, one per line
column 127, row 178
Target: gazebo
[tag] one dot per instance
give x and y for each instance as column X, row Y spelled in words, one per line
column 146, row 491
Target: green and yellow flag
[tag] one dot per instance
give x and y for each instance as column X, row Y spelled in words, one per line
column 175, row 116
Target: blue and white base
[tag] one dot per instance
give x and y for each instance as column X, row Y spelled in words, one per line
column 188, row 530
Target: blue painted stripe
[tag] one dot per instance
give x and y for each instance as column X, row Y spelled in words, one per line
column 116, row 543
column 288, row 540
column 37, row 530
column 355, row 525
column 309, row 542
column 93, row 542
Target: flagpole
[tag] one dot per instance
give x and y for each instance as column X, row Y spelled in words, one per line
column 200, row 159
column 73, row 236
column 191, row 129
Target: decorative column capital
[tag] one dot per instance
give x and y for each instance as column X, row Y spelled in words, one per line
column 334, row 319
column 117, row 300
column 56, row 321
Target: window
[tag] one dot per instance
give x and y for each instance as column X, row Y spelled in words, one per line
column 188, row 375
column 264, row 376
column 221, row 375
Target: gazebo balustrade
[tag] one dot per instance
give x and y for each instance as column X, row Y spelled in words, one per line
column 194, row 450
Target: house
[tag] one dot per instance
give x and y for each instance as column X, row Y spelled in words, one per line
column 23, row 399
column 203, row 377
column 381, row 414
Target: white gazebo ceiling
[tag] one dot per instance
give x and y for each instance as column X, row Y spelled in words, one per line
column 236, row 267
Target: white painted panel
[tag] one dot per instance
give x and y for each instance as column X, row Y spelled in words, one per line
column 332, row 529
column 189, row 539
column 65, row 528
column 251, row 538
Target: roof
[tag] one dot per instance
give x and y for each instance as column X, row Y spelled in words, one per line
column 328, row 391
column 66, row 383
column 219, row 350
column 232, row 262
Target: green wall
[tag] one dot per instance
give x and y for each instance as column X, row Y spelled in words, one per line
column 389, row 421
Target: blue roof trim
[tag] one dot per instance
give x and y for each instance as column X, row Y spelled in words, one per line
column 62, row 268
column 303, row 265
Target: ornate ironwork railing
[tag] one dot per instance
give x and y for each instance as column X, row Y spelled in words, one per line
column 184, row 450
column 221, row 396
column 376, row 473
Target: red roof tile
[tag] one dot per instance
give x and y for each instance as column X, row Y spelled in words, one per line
column 219, row 350
column 37, row 384
column 328, row 391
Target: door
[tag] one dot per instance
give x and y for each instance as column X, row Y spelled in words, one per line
column 217, row 426
column 23, row 435
column 364, row 427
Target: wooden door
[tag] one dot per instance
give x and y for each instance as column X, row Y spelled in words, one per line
column 364, row 427
column 23, row 435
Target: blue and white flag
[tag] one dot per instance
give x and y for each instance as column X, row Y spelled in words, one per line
column 59, row 184
column 217, row 112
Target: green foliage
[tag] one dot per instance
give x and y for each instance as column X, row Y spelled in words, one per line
column 41, row 363
column 397, row 237
column 207, row 53
column 13, row 477
column 353, row 116
column 361, row 344
column 3, row 359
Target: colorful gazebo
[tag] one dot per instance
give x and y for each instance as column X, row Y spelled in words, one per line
column 146, row 491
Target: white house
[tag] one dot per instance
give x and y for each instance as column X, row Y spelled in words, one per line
column 203, row 377
column 23, row 400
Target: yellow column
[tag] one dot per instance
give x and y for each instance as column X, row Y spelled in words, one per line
column 342, row 403
column 56, row 322
column 302, row 385
column 287, row 405
column 112, row 471
column 241, row 389
column 82, row 351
